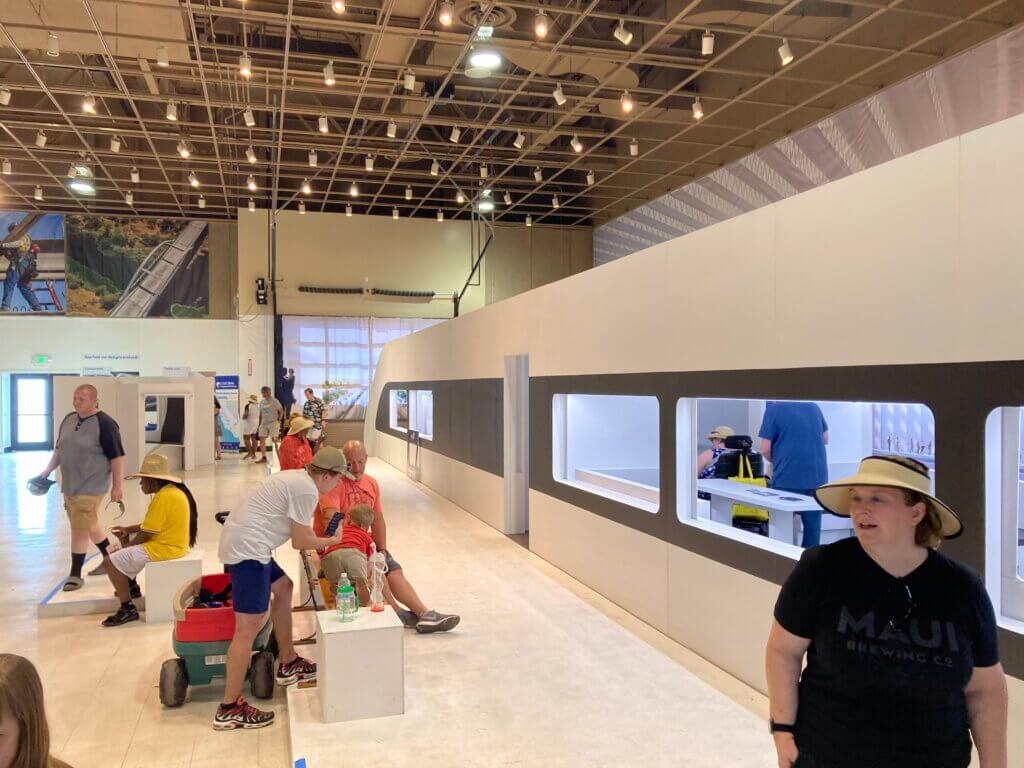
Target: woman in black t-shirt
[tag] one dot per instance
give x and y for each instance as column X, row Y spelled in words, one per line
column 902, row 659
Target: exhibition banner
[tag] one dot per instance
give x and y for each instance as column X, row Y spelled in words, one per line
column 136, row 267
column 32, row 262
column 225, row 389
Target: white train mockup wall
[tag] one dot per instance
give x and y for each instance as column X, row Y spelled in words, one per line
column 915, row 261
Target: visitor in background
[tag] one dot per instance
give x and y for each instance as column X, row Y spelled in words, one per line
column 91, row 460
column 218, row 429
column 793, row 438
column 295, row 452
column 287, row 392
column 313, row 409
column 250, row 425
column 271, row 415
column 24, row 733
column 707, row 458
column 901, row 642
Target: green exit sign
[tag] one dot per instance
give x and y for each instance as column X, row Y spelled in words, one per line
column 40, row 359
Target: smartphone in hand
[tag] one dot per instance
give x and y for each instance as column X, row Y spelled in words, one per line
column 332, row 526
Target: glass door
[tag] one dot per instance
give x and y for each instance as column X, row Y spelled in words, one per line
column 31, row 412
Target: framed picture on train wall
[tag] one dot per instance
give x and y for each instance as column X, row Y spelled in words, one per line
column 32, row 262
column 137, row 267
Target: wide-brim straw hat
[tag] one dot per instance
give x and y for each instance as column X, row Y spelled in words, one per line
column 299, row 423
column 155, row 465
column 720, row 433
column 253, row 399
column 889, row 472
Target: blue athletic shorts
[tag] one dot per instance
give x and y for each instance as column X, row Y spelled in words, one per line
column 250, row 584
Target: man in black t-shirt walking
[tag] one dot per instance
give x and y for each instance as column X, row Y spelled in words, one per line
column 91, row 461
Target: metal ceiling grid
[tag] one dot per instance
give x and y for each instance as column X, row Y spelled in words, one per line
column 844, row 51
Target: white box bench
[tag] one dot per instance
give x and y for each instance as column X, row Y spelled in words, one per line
column 360, row 665
column 161, row 581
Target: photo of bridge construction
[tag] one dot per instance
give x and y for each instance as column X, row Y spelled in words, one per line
column 32, row 262
column 137, row 267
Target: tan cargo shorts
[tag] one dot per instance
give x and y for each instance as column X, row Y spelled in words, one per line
column 83, row 511
column 350, row 561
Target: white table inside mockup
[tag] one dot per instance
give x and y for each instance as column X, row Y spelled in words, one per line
column 782, row 506
column 360, row 665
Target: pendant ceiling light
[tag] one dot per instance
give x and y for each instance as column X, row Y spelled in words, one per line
column 329, row 73
column 245, row 65
column 785, row 52
column 541, row 24
column 707, row 43
column 622, row 34
column 446, row 13
column 698, row 109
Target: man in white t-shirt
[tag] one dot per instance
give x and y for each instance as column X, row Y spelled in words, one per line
column 279, row 509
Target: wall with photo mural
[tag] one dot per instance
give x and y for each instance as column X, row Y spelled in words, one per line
column 32, row 262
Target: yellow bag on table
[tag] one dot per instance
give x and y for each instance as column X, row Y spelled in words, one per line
column 746, row 476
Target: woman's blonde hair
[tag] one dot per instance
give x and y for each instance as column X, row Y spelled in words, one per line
column 929, row 531
column 21, row 697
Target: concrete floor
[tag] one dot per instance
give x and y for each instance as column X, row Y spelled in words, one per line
column 541, row 672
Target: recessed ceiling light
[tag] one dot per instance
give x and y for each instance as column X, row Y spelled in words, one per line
column 520, row 140
column 89, row 104
column 559, row 95
column 435, row 167
column 368, row 163
column 392, row 130
column 626, row 102
column 163, row 59
column 250, row 155
column 538, row 175
column 348, row 209
column 193, row 179
column 252, row 204
column 115, row 144
column 576, row 144
column 541, row 24
column 329, row 73
column 307, row 188
column 408, row 192
column 785, row 52
column 249, row 117
column 250, row 182
column 446, row 12
column 312, row 158
column 634, row 147
column 698, row 109
column 353, row 189
column 172, row 111
column 707, row 43
column 245, row 65
column 453, row 137
column 52, row 44
column 622, row 34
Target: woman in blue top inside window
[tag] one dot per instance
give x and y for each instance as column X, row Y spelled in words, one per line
column 902, row 660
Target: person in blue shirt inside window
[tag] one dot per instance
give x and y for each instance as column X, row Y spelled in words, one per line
column 793, row 438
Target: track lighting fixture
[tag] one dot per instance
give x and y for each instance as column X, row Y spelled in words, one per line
column 322, row 124
column 408, row 192
column 201, row 202
column 394, row 213
column 39, row 190
column 115, row 144
column 590, row 178
column 307, row 188
column 40, row 139
column 129, row 198
column 392, row 129
column 634, row 147
column 72, row 171
column 312, row 158
column 485, row 206
column 538, row 174
column 520, row 140
column 707, row 43
column 554, row 202
column 302, row 207
column 249, row 117
column 163, row 58
column 250, row 155
column 193, row 179
column 626, row 102
column 459, row 197
column 184, row 149
column 409, row 81
column 338, row 6
column 52, row 49
column 507, row 198
column 353, row 189
column 251, row 183
column 89, row 104
column 368, row 162
column 541, row 24
column 134, row 175
column 455, row 134
column 348, row 209
column 622, row 34
column 484, row 171
column 440, row 215
column 529, row 220
column 245, row 65
column 5, row 167
column 698, row 109
column 172, row 111
column 785, row 52
column 576, row 144
column 5, row 96
column 559, row 95
column 329, row 73
column 252, row 204
column 435, row 167
column 446, row 12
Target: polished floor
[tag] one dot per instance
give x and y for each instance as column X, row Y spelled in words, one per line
column 541, row 672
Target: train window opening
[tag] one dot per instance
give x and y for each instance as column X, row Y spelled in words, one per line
column 608, row 445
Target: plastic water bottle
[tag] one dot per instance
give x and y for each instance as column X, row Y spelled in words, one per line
column 378, row 569
column 346, row 601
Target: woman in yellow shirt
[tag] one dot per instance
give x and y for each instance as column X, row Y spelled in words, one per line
column 167, row 533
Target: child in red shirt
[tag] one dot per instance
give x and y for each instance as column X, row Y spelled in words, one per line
column 353, row 554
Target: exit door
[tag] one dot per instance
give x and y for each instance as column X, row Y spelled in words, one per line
column 31, row 412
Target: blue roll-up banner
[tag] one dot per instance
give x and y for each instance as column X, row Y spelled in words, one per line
column 226, row 390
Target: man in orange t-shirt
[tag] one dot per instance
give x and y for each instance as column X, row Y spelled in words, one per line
column 363, row 489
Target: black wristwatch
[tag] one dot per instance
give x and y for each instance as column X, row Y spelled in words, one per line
column 774, row 727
